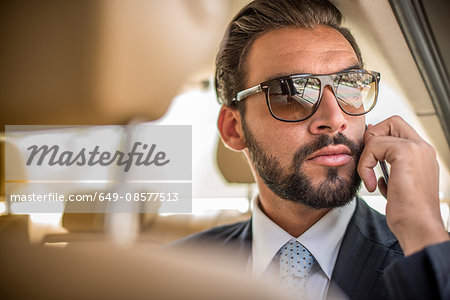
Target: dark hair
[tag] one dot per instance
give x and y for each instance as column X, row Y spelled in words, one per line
column 261, row 16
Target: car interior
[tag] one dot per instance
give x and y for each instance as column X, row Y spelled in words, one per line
column 89, row 66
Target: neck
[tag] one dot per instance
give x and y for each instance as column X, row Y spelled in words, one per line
column 294, row 218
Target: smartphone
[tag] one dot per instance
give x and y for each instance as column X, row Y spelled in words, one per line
column 385, row 170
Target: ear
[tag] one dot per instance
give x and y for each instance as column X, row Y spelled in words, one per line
column 230, row 128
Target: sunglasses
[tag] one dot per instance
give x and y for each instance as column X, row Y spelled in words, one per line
column 296, row 97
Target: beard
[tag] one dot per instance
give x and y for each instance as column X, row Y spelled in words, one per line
column 294, row 185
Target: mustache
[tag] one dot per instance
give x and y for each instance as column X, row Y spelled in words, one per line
column 322, row 141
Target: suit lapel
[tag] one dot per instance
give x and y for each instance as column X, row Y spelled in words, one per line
column 367, row 248
column 243, row 239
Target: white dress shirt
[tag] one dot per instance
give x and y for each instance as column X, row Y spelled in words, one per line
column 323, row 241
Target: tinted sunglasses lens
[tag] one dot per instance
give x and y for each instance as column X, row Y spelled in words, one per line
column 356, row 92
column 293, row 99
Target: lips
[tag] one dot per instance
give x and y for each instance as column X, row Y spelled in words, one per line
column 331, row 156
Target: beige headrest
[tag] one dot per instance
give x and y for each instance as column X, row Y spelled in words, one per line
column 101, row 62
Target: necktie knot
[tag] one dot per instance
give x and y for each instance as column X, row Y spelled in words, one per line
column 295, row 261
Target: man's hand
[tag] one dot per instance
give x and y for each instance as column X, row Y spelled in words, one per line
column 412, row 209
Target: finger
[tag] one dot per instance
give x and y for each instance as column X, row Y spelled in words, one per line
column 377, row 149
column 382, row 187
column 394, row 126
column 365, row 170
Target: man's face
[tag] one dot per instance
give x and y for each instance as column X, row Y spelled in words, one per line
column 313, row 161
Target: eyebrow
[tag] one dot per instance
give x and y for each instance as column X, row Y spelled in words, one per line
column 284, row 74
column 357, row 66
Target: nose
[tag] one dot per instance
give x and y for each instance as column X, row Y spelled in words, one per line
column 329, row 118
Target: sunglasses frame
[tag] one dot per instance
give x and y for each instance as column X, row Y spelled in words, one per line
column 325, row 80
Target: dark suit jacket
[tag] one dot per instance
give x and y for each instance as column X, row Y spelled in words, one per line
column 367, row 249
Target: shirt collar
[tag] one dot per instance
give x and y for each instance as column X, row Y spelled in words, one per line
column 323, row 239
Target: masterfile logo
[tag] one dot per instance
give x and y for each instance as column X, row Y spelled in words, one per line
column 148, row 156
column 139, row 152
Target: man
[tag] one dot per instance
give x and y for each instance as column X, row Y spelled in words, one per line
column 308, row 146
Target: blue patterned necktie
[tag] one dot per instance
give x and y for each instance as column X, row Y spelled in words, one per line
column 295, row 264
